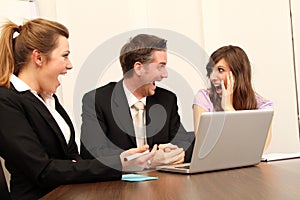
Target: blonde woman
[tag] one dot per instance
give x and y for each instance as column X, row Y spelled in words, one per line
column 37, row 138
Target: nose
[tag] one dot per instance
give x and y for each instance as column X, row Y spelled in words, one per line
column 164, row 73
column 69, row 65
column 213, row 76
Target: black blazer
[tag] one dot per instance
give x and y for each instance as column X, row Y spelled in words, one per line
column 35, row 151
column 107, row 123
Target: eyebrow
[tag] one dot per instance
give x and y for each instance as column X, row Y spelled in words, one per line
column 163, row 63
column 221, row 66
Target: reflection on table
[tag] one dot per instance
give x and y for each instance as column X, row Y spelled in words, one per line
column 273, row 180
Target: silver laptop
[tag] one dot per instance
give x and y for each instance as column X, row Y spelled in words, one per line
column 227, row 140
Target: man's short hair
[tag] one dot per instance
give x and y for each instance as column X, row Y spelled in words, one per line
column 140, row 49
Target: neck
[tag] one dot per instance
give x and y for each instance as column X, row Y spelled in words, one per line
column 29, row 77
column 131, row 85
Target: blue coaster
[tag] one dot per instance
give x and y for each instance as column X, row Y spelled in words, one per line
column 137, row 178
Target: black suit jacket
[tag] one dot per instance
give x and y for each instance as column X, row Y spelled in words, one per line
column 35, row 151
column 107, row 125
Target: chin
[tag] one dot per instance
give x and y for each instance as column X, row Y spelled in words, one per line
column 152, row 92
column 53, row 91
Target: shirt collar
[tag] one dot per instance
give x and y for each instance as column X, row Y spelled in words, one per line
column 131, row 98
column 19, row 85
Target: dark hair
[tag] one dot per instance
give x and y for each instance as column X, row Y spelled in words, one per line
column 140, row 48
column 244, row 97
column 40, row 34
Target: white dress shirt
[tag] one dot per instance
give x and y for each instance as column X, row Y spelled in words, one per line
column 131, row 101
column 49, row 102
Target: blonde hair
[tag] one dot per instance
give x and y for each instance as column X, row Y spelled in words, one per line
column 40, row 34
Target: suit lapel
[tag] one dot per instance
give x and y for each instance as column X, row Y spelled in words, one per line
column 66, row 117
column 45, row 113
column 149, row 103
column 158, row 117
column 121, row 112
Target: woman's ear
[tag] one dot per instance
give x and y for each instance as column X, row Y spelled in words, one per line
column 37, row 57
column 137, row 67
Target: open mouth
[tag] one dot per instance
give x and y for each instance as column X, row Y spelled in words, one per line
column 60, row 77
column 218, row 88
column 153, row 86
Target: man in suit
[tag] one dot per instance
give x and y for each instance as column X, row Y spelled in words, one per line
column 107, row 119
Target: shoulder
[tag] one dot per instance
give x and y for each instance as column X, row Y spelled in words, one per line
column 202, row 100
column 106, row 88
column 201, row 95
column 162, row 92
column 202, row 92
column 263, row 103
column 103, row 90
column 8, row 94
column 9, row 98
column 5, row 92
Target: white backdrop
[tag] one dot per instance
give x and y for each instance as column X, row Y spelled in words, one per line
column 261, row 28
column 99, row 22
column 295, row 5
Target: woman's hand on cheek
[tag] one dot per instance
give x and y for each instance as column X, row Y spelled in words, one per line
column 227, row 93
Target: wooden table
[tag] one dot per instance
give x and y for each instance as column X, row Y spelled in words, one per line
column 273, row 180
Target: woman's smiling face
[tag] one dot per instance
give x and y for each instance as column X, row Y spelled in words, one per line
column 219, row 72
column 56, row 64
